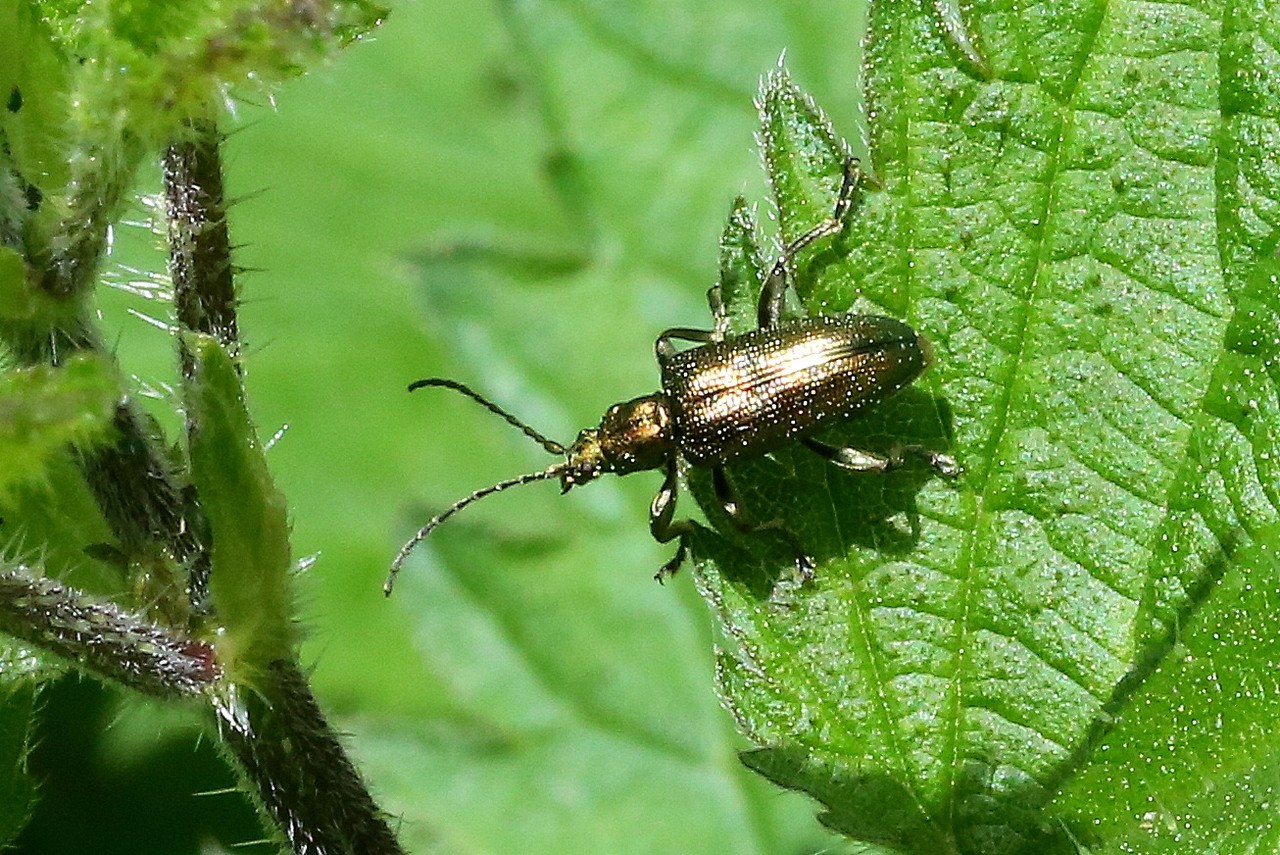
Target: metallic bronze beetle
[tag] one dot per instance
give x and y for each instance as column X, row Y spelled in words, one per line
column 733, row 397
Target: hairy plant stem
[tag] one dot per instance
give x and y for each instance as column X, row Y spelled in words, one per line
column 302, row 777
column 102, row 637
column 199, row 244
column 292, row 761
column 203, row 277
column 130, row 476
column 100, row 184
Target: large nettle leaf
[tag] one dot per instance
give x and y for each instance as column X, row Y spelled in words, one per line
column 1072, row 644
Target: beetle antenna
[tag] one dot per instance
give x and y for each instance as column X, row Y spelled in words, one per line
column 549, row 444
column 403, row 554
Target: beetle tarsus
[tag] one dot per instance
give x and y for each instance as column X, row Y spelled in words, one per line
column 805, row 568
column 673, row 566
column 944, row 464
column 805, row 565
column 662, row 524
column 719, row 311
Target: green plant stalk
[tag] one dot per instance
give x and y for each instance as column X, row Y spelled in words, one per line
column 203, row 277
column 290, row 757
column 292, row 762
column 199, row 243
column 298, row 772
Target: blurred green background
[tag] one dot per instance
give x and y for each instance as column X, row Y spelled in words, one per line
column 518, row 195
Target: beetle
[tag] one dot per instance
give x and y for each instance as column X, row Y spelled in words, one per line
column 732, row 397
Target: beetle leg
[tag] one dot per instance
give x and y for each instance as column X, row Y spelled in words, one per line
column 715, row 299
column 857, row 460
column 774, row 292
column 661, row 526
column 664, row 349
column 944, row 464
column 728, row 499
column 853, row 459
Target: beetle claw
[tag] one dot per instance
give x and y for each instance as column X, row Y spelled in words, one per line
column 946, row 465
column 805, row 567
column 672, row 566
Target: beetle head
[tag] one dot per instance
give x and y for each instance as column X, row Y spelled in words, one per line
column 583, row 462
column 632, row 436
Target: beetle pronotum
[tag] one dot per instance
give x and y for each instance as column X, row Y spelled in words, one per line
column 732, row 397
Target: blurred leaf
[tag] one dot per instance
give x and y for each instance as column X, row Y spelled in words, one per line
column 17, row 790
column 569, row 698
column 138, row 68
column 34, row 85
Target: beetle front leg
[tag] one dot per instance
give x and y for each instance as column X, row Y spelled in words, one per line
column 662, row 346
column 728, row 499
column 664, row 349
column 661, row 526
column 858, row 460
column 774, row 292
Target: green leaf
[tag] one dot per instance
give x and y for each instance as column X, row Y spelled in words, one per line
column 1063, row 647
column 742, row 272
column 33, row 82
column 249, row 582
column 42, row 410
column 90, row 89
column 157, row 62
column 617, row 135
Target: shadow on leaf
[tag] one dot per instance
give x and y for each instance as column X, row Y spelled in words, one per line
column 829, row 509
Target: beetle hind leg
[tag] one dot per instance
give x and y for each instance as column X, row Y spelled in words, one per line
column 858, row 460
